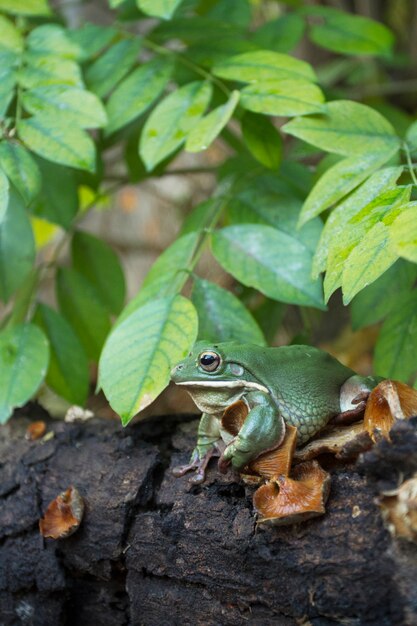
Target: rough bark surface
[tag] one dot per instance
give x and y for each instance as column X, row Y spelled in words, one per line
column 153, row 550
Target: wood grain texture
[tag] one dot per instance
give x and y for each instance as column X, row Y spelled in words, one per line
column 153, row 550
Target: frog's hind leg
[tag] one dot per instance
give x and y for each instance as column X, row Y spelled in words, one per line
column 209, row 444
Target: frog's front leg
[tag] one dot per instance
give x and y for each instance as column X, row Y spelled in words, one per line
column 209, row 444
column 262, row 430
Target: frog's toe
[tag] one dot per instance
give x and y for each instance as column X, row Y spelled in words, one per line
column 197, row 465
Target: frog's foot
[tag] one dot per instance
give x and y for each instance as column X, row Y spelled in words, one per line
column 287, row 500
column 197, row 464
column 353, row 415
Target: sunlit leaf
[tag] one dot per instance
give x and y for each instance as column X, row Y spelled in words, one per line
column 11, row 38
column 339, row 180
column 51, row 138
column 347, row 128
column 168, row 125
column 79, row 107
column 403, row 232
column 52, row 39
column 210, row 126
column 283, row 97
column 42, row 69
column 336, row 223
column 159, row 8
column 370, row 258
column 141, row 351
column 21, row 168
column 25, row 7
column 262, row 65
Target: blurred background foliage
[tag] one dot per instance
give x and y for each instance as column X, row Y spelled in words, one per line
column 260, row 155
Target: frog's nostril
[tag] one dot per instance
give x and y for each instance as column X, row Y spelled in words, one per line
column 176, row 369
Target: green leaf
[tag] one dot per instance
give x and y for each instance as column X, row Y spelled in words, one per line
column 222, row 316
column 403, row 232
column 140, row 352
column 262, row 140
column 113, row 65
column 68, row 373
column 52, row 39
column 346, row 128
column 338, row 219
column 396, row 348
column 17, row 247
column 80, row 107
column 83, row 309
column 91, row 38
column 25, row 7
column 370, row 258
column 137, row 92
column 23, row 362
column 200, row 217
column 383, row 209
column 237, row 12
column 280, row 35
column 268, row 200
column 411, row 138
column 164, row 274
column 283, row 97
column 99, row 264
column 352, row 34
column 7, row 88
column 58, row 200
column 11, row 38
column 263, row 65
column 4, row 194
column 269, row 260
column 43, row 69
column 210, row 126
column 22, row 170
column 159, row 8
column 339, row 180
column 377, row 300
column 168, row 125
column 51, row 138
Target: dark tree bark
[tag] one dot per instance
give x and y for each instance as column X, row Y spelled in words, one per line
column 152, row 550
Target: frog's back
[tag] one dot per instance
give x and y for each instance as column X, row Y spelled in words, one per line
column 305, row 382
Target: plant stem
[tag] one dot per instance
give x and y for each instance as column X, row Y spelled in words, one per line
column 187, row 63
column 410, row 164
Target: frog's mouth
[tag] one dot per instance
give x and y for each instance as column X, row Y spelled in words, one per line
column 223, row 384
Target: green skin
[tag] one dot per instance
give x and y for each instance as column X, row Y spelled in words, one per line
column 297, row 385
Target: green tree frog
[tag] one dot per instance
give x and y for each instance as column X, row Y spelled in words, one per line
column 297, row 385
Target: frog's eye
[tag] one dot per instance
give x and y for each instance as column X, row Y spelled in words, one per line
column 209, row 361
